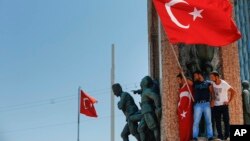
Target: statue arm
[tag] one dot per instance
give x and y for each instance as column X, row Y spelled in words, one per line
column 157, row 101
column 246, row 99
column 122, row 101
column 156, row 98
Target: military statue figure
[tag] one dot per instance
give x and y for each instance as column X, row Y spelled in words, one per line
column 150, row 109
column 129, row 108
column 246, row 102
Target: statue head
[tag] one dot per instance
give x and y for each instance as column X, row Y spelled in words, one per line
column 146, row 82
column 245, row 85
column 192, row 66
column 205, row 52
column 117, row 89
column 208, row 67
column 214, row 76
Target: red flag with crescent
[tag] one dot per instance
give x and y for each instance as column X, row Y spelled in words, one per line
column 198, row 21
column 87, row 105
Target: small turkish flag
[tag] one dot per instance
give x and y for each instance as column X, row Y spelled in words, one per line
column 185, row 113
column 87, row 105
column 198, row 21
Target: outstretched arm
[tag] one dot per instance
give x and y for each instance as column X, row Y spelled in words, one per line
column 157, row 101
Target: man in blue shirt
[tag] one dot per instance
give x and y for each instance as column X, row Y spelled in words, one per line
column 203, row 91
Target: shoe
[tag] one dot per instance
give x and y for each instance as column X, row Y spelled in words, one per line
column 221, row 138
column 210, row 139
column 194, row 139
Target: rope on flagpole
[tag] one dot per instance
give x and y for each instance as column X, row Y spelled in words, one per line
column 182, row 73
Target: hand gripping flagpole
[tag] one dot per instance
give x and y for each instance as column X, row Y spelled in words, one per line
column 182, row 73
column 78, row 112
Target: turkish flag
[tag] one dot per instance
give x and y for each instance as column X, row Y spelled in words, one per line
column 198, row 21
column 185, row 113
column 87, row 105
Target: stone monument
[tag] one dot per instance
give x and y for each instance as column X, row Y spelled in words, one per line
column 163, row 67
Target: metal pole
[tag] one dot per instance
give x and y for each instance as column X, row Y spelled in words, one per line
column 112, row 95
column 78, row 114
column 182, row 73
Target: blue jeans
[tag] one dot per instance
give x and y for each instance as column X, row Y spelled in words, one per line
column 199, row 109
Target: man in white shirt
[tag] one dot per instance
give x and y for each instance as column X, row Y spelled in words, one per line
column 223, row 94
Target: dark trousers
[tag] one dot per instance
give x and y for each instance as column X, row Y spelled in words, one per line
column 218, row 112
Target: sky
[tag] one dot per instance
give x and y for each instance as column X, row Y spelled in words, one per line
column 48, row 48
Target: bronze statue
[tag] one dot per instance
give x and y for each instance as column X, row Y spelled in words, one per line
column 155, row 88
column 207, row 68
column 150, row 109
column 205, row 53
column 246, row 102
column 193, row 64
column 129, row 108
column 198, row 57
column 138, row 117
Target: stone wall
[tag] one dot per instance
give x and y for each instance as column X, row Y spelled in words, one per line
column 169, row 88
column 231, row 73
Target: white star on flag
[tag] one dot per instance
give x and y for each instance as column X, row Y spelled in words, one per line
column 196, row 13
column 183, row 115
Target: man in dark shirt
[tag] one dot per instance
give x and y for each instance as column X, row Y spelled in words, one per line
column 202, row 94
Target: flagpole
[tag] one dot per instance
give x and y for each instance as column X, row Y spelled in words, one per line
column 112, row 108
column 78, row 113
column 182, row 73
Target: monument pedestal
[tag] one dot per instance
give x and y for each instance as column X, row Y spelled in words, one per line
column 163, row 66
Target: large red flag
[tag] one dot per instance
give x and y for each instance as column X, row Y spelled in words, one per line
column 87, row 105
column 198, row 21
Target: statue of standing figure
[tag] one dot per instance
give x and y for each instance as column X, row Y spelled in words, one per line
column 129, row 108
column 150, row 110
column 246, row 102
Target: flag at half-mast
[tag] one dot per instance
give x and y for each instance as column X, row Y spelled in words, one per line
column 198, row 21
column 87, row 105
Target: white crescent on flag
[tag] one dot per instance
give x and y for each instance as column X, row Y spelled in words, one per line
column 170, row 13
column 85, row 105
column 184, row 94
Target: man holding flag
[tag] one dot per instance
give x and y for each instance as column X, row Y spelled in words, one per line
column 185, row 110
